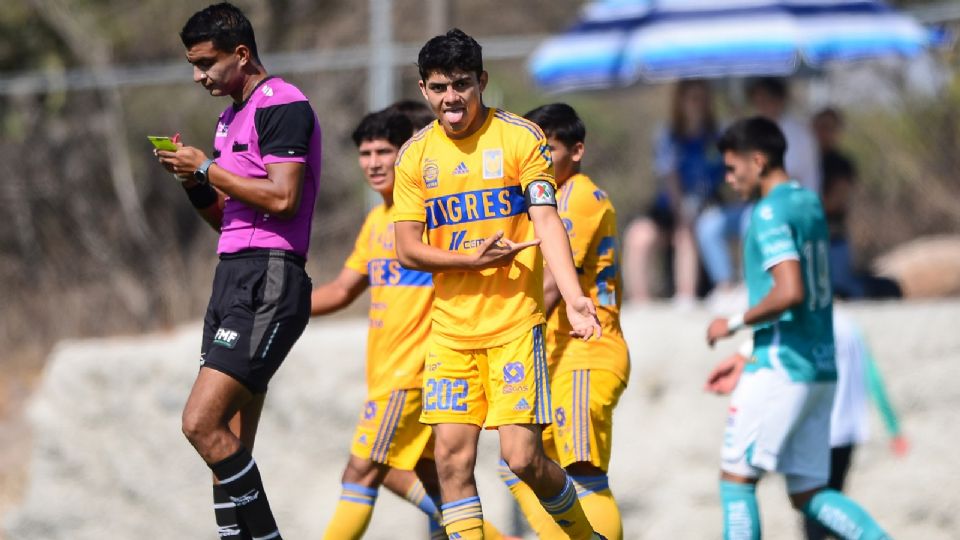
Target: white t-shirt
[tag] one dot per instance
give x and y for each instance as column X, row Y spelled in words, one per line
column 849, row 422
column 802, row 160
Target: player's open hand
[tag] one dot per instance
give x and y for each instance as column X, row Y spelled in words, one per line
column 724, row 376
column 717, row 330
column 497, row 251
column 582, row 315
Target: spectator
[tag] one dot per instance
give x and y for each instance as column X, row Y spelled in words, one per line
column 770, row 97
column 689, row 172
column 839, row 179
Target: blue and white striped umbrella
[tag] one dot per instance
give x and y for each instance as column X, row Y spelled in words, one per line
column 621, row 42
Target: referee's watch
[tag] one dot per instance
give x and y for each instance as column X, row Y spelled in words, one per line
column 200, row 175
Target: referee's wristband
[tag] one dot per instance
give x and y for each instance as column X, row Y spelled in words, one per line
column 735, row 322
column 201, row 195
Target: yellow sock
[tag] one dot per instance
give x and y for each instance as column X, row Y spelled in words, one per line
column 599, row 505
column 567, row 512
column 539, row 520
column 491, row 532
column 463, row 519
column 353, row 512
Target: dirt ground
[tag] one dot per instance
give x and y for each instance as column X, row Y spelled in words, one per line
column 20, row 377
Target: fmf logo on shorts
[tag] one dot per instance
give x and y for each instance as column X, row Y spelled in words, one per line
column 513, row 372
column 226, row 338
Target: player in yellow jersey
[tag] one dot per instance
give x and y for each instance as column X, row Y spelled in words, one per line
column 586, row 379
column 390, row 443
column 479, row 183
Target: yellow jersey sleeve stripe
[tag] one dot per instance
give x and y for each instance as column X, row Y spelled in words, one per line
column 420, row 135
column 519, row 121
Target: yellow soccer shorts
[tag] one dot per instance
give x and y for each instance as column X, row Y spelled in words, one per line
column 390, row 432
column 490, row 387
column 582, row 429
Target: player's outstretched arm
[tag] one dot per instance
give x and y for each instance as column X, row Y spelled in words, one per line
column 338, row 293
column 556, row 251
column 493, row 252
column 551, row 293
column 787, row 291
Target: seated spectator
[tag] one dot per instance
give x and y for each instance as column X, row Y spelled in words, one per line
column 839, row 179
column 689, row 171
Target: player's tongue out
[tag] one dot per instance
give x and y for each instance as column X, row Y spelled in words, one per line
column 454, row 116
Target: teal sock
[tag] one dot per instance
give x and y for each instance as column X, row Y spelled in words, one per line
column 844, row 517
column 741, row 516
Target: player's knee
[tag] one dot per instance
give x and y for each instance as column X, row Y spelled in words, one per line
column 523, row 461
column 195, row 428
column 450, row 459
column 363, row 472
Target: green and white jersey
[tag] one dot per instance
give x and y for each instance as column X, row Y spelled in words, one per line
column 788, row 224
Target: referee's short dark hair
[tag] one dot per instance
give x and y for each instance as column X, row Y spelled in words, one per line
column 560, row 121
column 449, row 52
column 222, row 24
column 755, row 134
column 387, row 124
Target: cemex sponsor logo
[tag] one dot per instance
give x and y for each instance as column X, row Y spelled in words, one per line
column 458, row 241
column 246, row 498
column 226, row 338
column 513, row 372
column 561, row 416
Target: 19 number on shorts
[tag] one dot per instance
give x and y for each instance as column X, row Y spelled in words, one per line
column 445, row 395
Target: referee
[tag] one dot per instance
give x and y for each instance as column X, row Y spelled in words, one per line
column 258, row 191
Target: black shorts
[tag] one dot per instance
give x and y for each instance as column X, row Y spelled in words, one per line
column 259, row 307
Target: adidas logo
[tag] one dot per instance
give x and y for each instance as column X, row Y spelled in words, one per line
column 522, row 405
column 461, row 169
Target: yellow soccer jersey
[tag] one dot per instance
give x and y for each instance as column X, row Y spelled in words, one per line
column 591, row 224
column 465, row 190
column 399, row 308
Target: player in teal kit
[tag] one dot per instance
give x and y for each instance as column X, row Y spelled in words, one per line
column 779, row 419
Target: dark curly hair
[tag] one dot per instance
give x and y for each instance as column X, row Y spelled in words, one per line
column 452, row 51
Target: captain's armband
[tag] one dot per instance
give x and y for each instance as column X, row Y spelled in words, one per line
column 540, row 193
